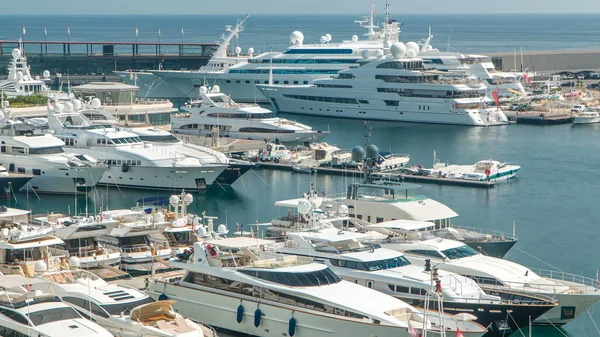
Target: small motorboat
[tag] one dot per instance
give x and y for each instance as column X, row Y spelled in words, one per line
column 303, row 168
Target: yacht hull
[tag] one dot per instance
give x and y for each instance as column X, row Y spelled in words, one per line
column 65, row 181
column 220, row 310
column 150, row 85
column 286, row 138
column 232, row 173
column 100, row 261
column 14, row 182
column 144, row 262
column 497, row 249
column 162, row 178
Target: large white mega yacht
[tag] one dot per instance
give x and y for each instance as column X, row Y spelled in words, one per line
column 299, row 64
column 229, row 285
column 394, row 87
column 214, row 109
column 574, row 293
column 25, row 312
column 131, row 162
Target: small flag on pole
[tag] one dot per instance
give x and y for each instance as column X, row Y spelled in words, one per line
column 24, row 30
column 159, row 33
column 45, row 31
column 496, row 98
column 182, row 33
column 137, row 32
column 69, row 30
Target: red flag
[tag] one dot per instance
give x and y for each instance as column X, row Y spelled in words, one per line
column 458, row 333
column 526, row 77
column 496, row 98
column 412, row 332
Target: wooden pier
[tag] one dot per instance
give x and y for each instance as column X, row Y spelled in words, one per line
column 389, row 176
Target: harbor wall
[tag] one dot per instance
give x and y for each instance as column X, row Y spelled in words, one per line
column 548, row 61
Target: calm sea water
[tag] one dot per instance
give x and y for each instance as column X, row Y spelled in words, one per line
column 554, row 200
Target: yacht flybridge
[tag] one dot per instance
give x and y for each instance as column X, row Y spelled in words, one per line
column 228, row 284
column 396, row 87
column 214, row 109
column 131, row 162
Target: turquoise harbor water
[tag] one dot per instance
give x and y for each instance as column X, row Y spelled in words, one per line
column 553, row 202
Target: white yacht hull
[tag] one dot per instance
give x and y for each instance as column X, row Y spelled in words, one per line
column 150, row 85
column 145, row 261
column 586, row 120
column 562, row 314
column 63, row 180
column 220, row 310
column 296, row 137
column 377, row 110
column 99, row 261
column 189, row 82
column 163, row 178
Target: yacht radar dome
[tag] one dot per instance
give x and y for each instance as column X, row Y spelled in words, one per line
column 358, row 153
column 201, row 231
column 238, row 50
column 95, row 103
column 174, row 200
column 323, row 39
column 412, row 46
column 297, row 38
column 342, row 210
column 68, row 106
column 16, row 53
column 188, row 199
column 46, row 74
column 387, row 44
column 58, row 107
column 216, row 89
column 40, row 267
column 398, row 50
column 327, row 37
column 304, row 206
column 203, row 90
column 250, row 51
column 373, row 152
column 411, row 53
column 37, row 77
column 222, row 229
column 76, row 105
column 354, row 38
column 366, row 54
column 74, row 262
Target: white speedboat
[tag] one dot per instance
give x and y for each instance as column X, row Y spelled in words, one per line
column 132, row 237
column 237, row 75
column 484, row 170
column 227, row 284
column 124, row 311
column 43, row 156
column 216, row 111
column 131, row 162
column 396, row 87
column 27, row 312
column 574, row 293
column 586, row 117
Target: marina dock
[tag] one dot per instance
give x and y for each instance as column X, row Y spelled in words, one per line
column 389, row 176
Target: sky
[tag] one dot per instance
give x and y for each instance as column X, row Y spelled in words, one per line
column 66, row 7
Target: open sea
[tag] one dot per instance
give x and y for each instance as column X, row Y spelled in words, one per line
column 554, row 202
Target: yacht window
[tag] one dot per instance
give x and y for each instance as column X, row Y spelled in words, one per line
column 459, row 252
column 14, row 315
column 485, row 280
column 117, row 309
column 47, row 150
column 36, row 172
column 399, row 289
column 395, row 262
column 52, row 315
column 425, row 252
column 297, row 279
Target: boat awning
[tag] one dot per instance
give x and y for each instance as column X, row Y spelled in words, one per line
column 44, row 241
column 405, row 225
column 12, row 281
column 138, row 313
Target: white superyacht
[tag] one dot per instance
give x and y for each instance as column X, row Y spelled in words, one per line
column 131, row 162
column 228, row 285
column 395, row 87
column 214, row 109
